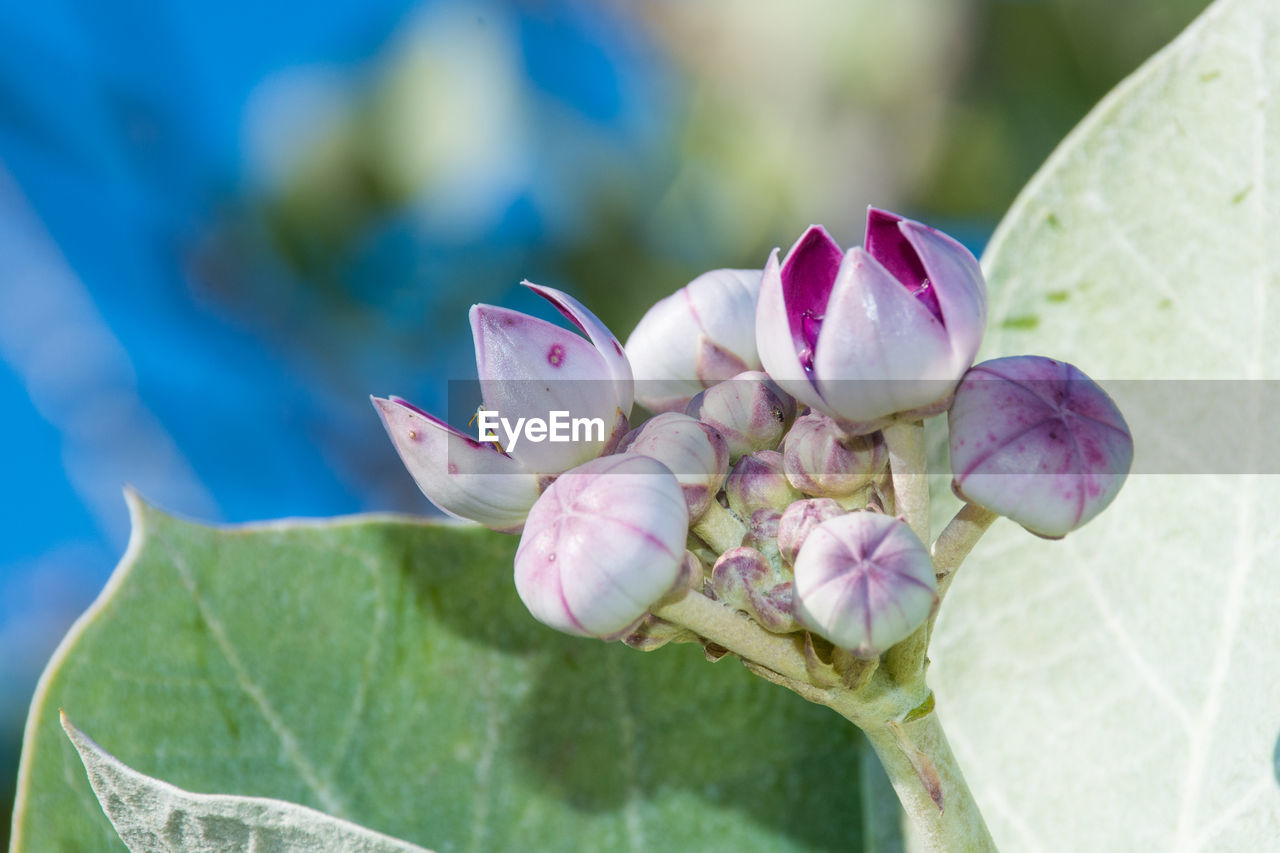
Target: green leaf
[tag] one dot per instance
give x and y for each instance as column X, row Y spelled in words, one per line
column 384, row 672
column 1120, row 690
column 154, row 817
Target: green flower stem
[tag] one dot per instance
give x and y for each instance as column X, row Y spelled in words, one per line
column 943, row 814
column 737, row 633
column 897, row 717
column 908, row 467
column 956, row 541
column 719, row 528
column 905, row 442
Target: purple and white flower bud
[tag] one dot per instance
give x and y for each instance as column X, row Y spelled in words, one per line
column 743, row 579
column 603, row 543
column 518, row 357
column 864, row 581
column 821, row 460
column 749, row 410
column 699, row 335
column 758, row 481
column 530, row 369
column 694, row 452
column 461, row 476
column 763, row 524
column 799, row 520
column 879, row 332
column 1037, row 441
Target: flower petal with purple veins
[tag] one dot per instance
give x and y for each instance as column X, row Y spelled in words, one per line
column 807, row 275
column 889, row 336
column 888, row 244
column 530, row 368
column 962, row 302
column 606, row 344
column 463, row 477
column 882, row 351
column 779, row 353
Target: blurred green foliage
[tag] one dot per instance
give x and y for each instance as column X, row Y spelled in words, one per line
column 772, row 120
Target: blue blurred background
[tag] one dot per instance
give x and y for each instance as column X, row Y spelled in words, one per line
column 223, row 225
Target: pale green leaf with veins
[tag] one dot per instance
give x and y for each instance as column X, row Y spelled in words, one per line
column 383, row 671
column 1120, row 690
column 153, row 817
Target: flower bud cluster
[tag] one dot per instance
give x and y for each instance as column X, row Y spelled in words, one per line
column 765, row 481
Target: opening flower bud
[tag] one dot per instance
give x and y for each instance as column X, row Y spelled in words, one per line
column 864, row 581
column 529, row 368
column 878, row 332
column 799, row 520
column 602, row 544
column 757, row 481
column 821, row 460
column 1037, row 441
column 743, row 579
column 699, row 335
column 694, row 452
column 461, row 476
column 749, row 410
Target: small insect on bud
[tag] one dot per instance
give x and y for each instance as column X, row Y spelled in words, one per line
column 863, row 581
column 757, row 481
column 694, row 452
column 749, row 410
column 822, row 461
column 799, row 520
column 1037, row 441
column 603, row 543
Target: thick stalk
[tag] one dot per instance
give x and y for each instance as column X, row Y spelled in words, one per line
column 943, row 814
column 897, row 717
column 719, row 528
column 907, row 467
column 738, row 634
column 905, row 443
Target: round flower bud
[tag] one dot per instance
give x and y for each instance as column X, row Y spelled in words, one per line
column 699, row 335
column 1037, row 441
column 749, row 410
column 863, row 581
column 603, row 543
column 756, row 482
column 763, row 524
column 799, row 520
column 743, row 579
column 694, row 452
column 822, row 461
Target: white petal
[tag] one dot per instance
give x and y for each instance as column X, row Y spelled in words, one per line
column 774, row 342
column 530, row 369
column 959, row 286
column 879, row 346
column 464, row 478
column 606, row 344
